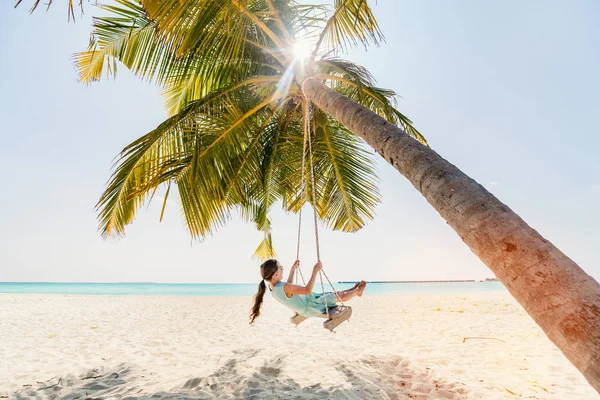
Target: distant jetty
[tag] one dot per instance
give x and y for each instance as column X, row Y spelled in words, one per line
column 448, row 281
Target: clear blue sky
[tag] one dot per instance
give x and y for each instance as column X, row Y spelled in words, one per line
column 507, row 91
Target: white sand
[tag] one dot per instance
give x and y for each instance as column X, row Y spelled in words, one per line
column 394, row 347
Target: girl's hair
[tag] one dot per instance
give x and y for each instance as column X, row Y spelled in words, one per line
column 267, row 270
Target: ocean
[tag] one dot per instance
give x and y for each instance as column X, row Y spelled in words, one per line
column 208, row 289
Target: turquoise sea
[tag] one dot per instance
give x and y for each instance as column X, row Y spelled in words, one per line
column 205, row 289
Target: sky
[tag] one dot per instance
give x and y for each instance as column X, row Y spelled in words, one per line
column 507, row 91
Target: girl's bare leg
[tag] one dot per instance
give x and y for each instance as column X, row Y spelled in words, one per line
column 357, row 290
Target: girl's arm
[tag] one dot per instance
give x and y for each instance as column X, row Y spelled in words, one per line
column 293, row 271
column 290, row 289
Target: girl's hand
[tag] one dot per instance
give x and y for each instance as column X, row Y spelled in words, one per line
column 296, row 264
column 318, row 266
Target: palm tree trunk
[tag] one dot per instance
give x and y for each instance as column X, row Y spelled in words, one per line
column 562, row 299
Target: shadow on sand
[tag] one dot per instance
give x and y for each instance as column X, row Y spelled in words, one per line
column 367, row 378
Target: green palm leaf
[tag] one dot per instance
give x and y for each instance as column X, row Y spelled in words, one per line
column 235, row 140
column 70, row 7
column 186, row 145
column 130, row 37
column 351, row 23
column 193, row 25
column 345, row 176
column 355, row 82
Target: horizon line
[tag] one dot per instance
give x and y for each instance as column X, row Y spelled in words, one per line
column 243, row 283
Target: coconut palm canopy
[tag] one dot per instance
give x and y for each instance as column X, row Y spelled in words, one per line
column 232, row 73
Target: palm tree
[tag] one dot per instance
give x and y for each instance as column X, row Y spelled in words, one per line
column 235, row 140
column 231, row 81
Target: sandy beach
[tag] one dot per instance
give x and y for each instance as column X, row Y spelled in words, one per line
column 475, row 346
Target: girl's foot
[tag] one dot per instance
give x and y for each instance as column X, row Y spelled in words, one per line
column 361, row 288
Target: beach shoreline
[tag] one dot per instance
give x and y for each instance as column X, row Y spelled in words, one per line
column 458, row 346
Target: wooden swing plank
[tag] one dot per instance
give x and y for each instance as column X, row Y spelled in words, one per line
column 337, row 315
column 296, row 319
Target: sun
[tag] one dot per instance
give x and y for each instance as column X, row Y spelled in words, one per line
column 301, row 50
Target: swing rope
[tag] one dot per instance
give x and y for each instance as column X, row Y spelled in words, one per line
column 314, row 202
column 300, row 212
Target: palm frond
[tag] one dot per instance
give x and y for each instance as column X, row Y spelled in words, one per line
column 345, row 176
column 178, row 96
column 265, row 249
column 203, row 206
column 356, row 83
column 186, row 146
column 155, row 158
column 189, row 24
column 130, row 37
column 351, row 23
column 234, row 140
column 70, row 7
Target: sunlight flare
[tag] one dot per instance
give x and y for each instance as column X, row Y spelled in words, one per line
column 301, row 50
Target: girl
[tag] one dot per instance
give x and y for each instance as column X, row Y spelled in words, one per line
column 298, row 298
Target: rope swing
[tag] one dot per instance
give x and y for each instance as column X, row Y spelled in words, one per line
column 343, row 311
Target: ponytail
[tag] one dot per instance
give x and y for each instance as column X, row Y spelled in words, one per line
column 258, row 299
column 267, row 270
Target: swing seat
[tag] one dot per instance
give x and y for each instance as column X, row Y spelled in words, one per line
column 296, row 319
column 337, row 315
